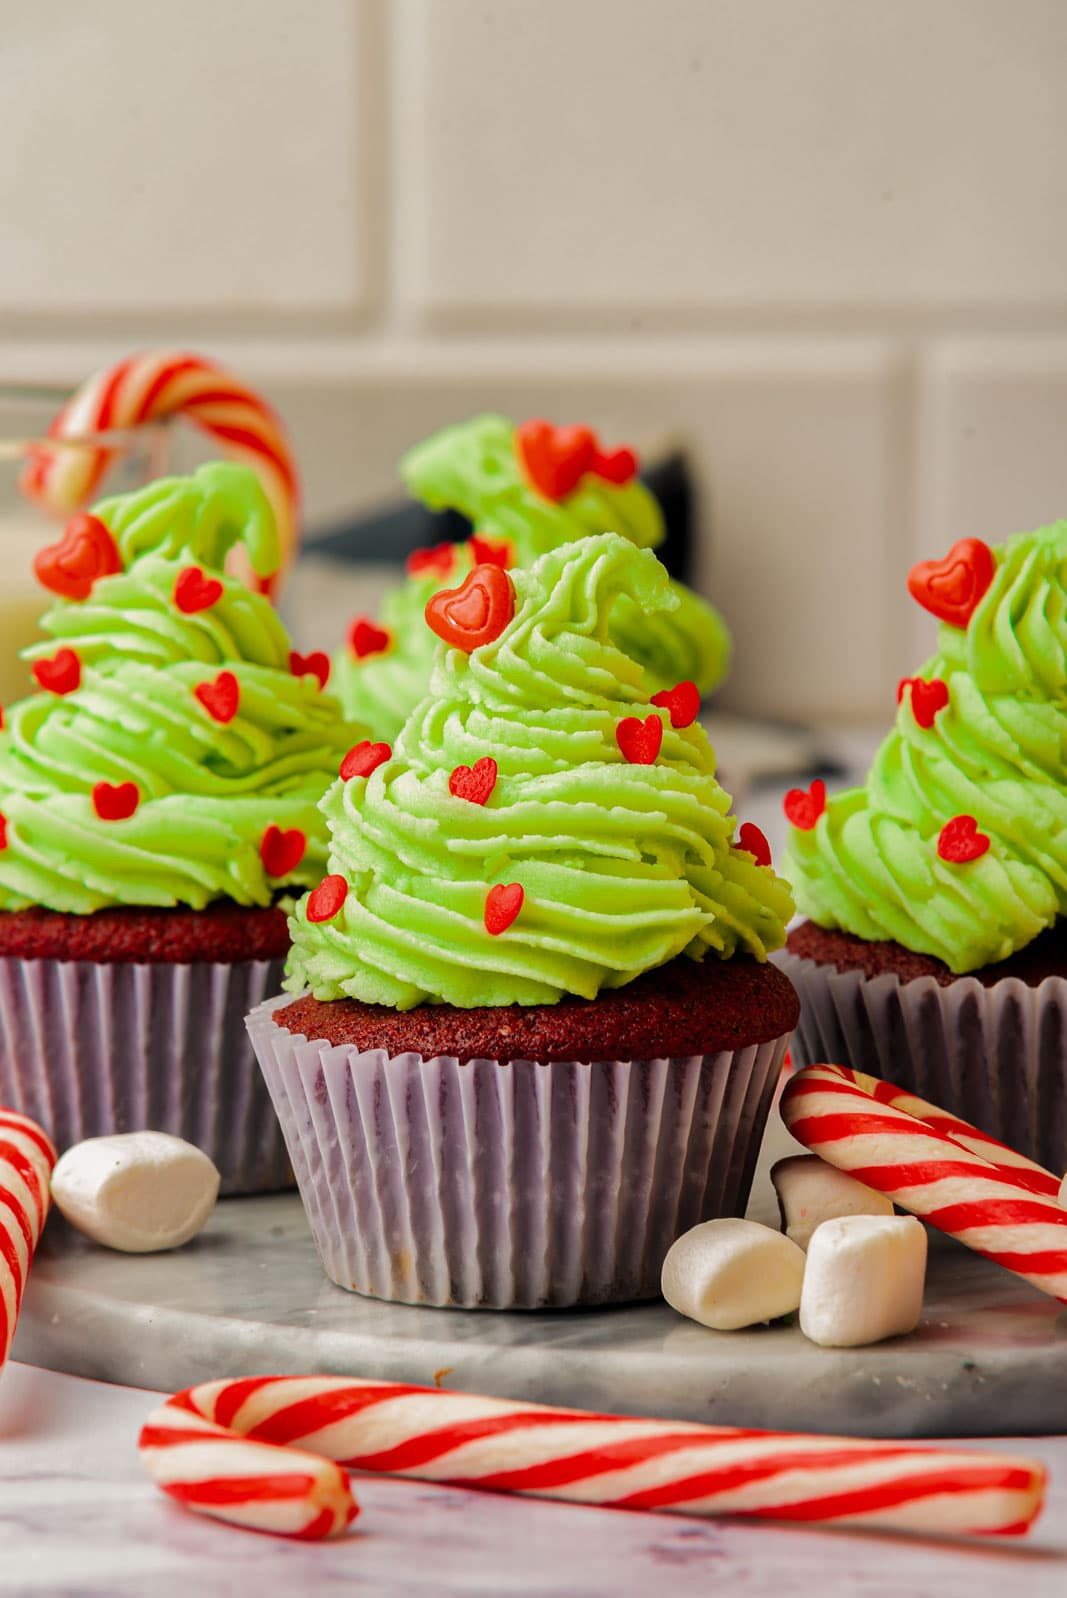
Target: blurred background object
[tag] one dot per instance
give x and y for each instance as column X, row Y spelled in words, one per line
column 815, row 245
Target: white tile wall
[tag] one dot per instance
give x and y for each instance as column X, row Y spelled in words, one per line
column 819, row 242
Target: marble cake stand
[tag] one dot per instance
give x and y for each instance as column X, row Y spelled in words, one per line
column 248, row 1297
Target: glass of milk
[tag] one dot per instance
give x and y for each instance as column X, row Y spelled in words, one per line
column 137, row 455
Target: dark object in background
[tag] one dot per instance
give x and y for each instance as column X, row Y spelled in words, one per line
column 395, row 531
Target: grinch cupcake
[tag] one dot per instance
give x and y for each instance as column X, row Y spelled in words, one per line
column 537, row 1036
column 526, row 490
column 157, row 796
column 935, row 952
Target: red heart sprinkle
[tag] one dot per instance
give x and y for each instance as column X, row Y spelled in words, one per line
column 474, row 613
column 952, row 588
column 324, row 901
column 221, row 697
column 492, row 551
column 751, row 839
column 959, row 841
column 475, row 782
column 640, row 740
column 437, row 561
column 317, row 664
column 502, row 905
column 281, row 852
column 115, row 801
column 85, row 552
column 363, row 758
column 365, row 637
column 682, row 701
column 61, row 674
column 3, row 832
column 554, row 459
column 193, row 591
column 804, row 806
column 615, row 466
column 927, row 698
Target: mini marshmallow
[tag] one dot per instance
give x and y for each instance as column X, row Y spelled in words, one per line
column 864, row 1280
column 810, row 1191
column 140, row 1192
column 731, row 1273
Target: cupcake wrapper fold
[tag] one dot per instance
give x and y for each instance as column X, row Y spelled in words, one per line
column 995, row 1056
column 510, row 1184
column 88, row 1048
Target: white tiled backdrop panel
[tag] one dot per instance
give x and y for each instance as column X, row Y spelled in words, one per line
column 820, row 243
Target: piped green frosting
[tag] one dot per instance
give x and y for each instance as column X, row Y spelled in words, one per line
column 623, row 865
column 473, row 468
column 997, row 751
column 207, row 790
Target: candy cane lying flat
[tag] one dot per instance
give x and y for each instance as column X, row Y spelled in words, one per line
column 26, row 1160
column 939, row 1168
column 679, row 1467
column 144, row 389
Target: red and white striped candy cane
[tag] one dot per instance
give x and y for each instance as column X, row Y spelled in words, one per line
column 674, row 1466
column 938, row 1167
column 146, row 388
column 26, row 1160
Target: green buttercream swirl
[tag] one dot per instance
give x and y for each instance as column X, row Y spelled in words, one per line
column 208, row 790
column 997, row 751
column 473, row 469
column 624, row 866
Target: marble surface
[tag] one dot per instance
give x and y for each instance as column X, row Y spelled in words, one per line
column 78, row 1519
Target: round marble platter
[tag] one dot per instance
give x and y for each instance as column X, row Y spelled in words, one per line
column 248, row 1297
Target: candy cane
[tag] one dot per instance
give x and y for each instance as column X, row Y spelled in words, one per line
column 146, row 388
column 940, row 1168
column 673, row 1466
column 26, row 1160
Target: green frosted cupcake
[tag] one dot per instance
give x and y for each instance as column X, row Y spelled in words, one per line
column 158, row 796
column 526, row 490
column 934, row 953
column 536, row 1032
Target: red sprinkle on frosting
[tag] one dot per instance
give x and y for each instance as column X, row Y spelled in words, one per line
column 324, row 901
column 616, row 466
column 474, row 613
column 754, row 841
column 475, row 782
column 194, row 592
column 959, row 841
column 220, row 698
column 502, row 905
column 952, row 588
column 3, row 832
column 492, row 551
column 61, row 673
column 682, row 702
column 554, row 459
column 804, row 806
column 436, row 561
column 317, row 664
column 85, row 552
column 363, row 758
column 281, row 852
column 365, row 638
column 927, row 698
column 115, row 801
column 640, row 740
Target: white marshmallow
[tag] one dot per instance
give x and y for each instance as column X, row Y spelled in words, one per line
column 731, row 1273
column 136, row 1191
column 810, row 1192
column 864, row 1280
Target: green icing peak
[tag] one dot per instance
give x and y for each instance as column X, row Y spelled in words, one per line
column 995, row 750
column 210, row 787
column 623, row 866
column 474, row 468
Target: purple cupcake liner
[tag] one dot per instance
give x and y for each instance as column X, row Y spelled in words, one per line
column 510, row 1184
column 996, row 1056
column 88, row 1048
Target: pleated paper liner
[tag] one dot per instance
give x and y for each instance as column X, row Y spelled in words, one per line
column 88, row 1048
column 996, row 1056
column 511, row 1184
